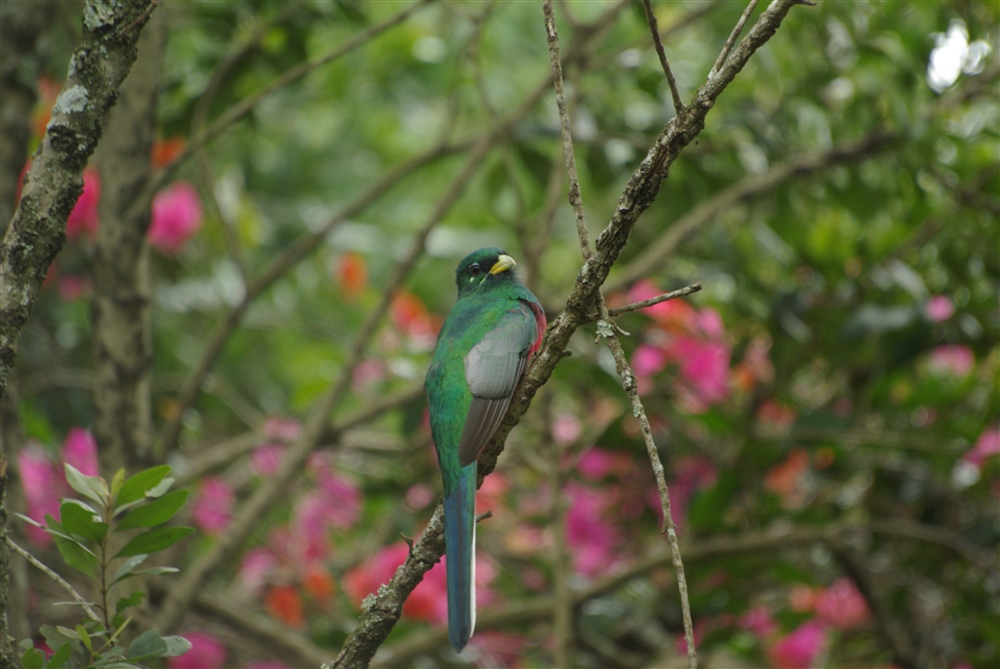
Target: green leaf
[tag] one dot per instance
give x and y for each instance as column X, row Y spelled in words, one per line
column 76, row 554
column 152, row 571
column 162, row 487
column 126, row 568
column 91, row 487
column 147, row 644
column 176, row 645
column 154, row 540
column 132, row 600
column 135, row 487
column 33, row 659
column 76, row 519
column 156, row 512
column 117, row 482
column 85, row 638
column 60, row 657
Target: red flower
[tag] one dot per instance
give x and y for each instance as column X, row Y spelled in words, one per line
column 284, row 603
column 352, row 275
column 165, row 150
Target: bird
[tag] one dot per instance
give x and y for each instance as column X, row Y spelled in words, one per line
column 480, row 356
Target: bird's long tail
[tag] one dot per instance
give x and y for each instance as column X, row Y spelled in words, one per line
column 460, row 551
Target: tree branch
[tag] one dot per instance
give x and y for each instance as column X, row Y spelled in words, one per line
column 381, row 611
column 55, row 179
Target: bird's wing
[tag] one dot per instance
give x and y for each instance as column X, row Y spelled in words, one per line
column 492, row 369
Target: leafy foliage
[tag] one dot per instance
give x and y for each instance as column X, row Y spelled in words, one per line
column 86, row 535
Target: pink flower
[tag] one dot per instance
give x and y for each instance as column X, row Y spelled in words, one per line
column 428, row 601
column 842, row 606
column 988, row 444
column 266, row 459
column 598, row 463
column 342, row 497
column 212, row 508
column 282, row 429
column 566, row 428
column 256, row 568
column 80, row 450
column 648, row 360
column 206, row 652
column 646, row 290
column 951, row 360
column 594, row 538
column 939, row 308
column 310, row 527
column 43, row 485
column 799, row 649
column 82, row 220
column 759, row 621
column 176, row 217
column 704, row 372
column 419, row 496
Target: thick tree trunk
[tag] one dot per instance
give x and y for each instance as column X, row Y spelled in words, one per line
column 120, row 310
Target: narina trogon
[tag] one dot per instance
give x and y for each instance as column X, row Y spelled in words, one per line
column 480, row 356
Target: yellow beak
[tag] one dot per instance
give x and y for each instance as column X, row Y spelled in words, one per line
column 502, row 264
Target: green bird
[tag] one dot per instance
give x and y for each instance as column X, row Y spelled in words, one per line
column 481, row 354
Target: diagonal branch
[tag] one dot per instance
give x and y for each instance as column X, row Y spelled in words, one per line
column 381, row 611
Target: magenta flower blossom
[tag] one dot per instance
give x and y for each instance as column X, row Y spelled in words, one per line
column 256, row 568
column 212, row 508
column 799, row 649
column 566, row 428
column 43, row 485
column 939, row 308
column 310, row 528
column 282, row 429
column 206, row 652
column 704, row 372
column 951, row 360
column 842, row 606
column 80, row 450
column 266, row 459
column 594, row 538
column 176, row 217
column 758, row 620
column 82, row 220
column 648, row 360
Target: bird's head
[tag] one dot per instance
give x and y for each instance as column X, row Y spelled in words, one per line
column 483, row 270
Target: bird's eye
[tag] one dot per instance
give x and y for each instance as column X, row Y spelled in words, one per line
column 475, row 269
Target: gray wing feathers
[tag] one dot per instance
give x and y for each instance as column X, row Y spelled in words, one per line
column 492, row 370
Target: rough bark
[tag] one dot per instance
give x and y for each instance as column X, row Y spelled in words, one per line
column 120, row 309
column 52, row 185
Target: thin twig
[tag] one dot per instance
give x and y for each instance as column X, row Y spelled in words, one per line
column 658, row 45
column 45, row 569
column 635, row 306
column 575, row 199
column 611, row 335
column 733, row 36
